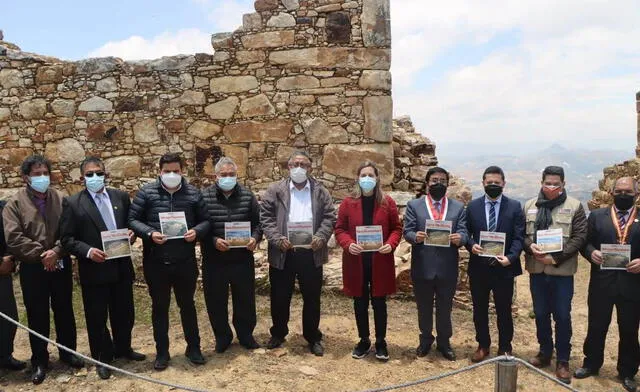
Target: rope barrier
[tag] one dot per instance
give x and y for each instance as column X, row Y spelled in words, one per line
column 383, row 389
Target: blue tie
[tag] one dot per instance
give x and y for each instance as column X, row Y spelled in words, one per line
column 104, row 211
column 622, row 219
column 492, row 216
column 437, row 205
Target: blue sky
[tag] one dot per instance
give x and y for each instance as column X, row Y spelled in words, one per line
column 524, row 73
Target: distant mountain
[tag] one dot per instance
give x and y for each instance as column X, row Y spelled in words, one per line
column 523, row 169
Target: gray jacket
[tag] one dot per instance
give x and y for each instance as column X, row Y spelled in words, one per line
column 274, row 213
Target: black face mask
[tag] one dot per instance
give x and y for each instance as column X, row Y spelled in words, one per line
column 437, row 191
column 624, row 202
column 493, row 190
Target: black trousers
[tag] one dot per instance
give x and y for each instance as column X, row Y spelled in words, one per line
column 628, row 314
column 298, row 264
column 115, row 302
column 38, row 288
column 8, row 307
column 482, row 284
column 440, row 291
column 161, row 278
column 361, row 305
column 217, row 277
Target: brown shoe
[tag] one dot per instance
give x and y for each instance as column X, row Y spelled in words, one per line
column 540, row 360
column 562, row 372
column 480, row 354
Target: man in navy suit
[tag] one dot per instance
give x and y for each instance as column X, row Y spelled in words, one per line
column 434, row 269
column 494, row 212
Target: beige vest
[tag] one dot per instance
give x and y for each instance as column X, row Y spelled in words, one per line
column 562, row 217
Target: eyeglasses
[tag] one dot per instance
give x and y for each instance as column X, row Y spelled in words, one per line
column 90, row 174
column 299, row 164
column 433, row 181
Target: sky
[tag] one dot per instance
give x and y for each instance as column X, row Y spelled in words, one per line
column 501, row 75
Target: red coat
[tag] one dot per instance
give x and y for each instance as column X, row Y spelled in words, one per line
column 383, row 266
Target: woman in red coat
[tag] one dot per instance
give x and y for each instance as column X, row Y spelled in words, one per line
column 369, row 273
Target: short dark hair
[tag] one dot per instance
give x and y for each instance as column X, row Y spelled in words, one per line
column 553, row 171
column 434, row 170
column 91, row 159
column 170, row 157
column 32, row 161
column 493, row 170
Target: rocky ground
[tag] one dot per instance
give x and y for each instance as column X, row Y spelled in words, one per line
column 293, row 368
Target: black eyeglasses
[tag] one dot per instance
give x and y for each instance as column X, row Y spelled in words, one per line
column 90, row 174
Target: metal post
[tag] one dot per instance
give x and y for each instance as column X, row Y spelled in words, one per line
column 506, row 376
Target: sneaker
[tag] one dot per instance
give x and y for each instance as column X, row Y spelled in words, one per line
column 381, row 351
column 361, row 349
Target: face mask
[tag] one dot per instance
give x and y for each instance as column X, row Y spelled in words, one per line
column 551, row 192
column 40, row 183
column 493, row 190
column 367, row 184
column 227, row 183
column 437, row 191
column 171, row 180
column 624, row 202
column 298, row 175
column 94, row 183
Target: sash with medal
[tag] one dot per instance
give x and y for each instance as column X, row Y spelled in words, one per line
column 617, row 256
column 438, row 230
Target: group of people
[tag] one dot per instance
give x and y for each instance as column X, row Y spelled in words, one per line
column 42, row 229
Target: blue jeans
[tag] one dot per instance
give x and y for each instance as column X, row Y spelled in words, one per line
column 552, row 295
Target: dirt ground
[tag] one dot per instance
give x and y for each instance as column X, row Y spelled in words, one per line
column 294, row 368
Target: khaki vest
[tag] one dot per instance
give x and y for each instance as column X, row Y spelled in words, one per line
column 562, row 216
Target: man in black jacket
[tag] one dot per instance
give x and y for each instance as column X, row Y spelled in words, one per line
column 616, row 225
column 171, row 262
column 229, row 262
column 107, row 282
column 7, row 306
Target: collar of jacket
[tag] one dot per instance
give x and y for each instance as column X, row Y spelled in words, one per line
column 220, row 192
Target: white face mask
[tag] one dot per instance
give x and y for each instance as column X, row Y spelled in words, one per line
column 171, row 180
column 298, row 175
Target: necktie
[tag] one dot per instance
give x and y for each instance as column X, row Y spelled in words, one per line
column 437, row 205
column 104, row 211
column 622, row 219
column 492, row 216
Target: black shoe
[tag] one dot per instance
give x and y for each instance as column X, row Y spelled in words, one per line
column 39, row 374
column 423, row 350
column 274, row 342
column 132, row 356
column 195, row 355
column 316, row 348
column 382, row 354
column 103, row 372
column 73, row 361
column 10, row 363
column 447, row 353
column 223, row 344
column 162, row 361
column 584, row 372
column 249, row 343
column 361, row 349
column 629, row 384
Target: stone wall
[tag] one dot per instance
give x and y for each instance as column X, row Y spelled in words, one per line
column 310, row 74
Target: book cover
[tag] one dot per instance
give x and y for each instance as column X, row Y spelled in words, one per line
column 438, row 232
column 369, row 237
column 237, row 234
column 615, row 256
column 173, row 224
column 493, row 243
column 115, row 243
column 300, row 234
column 550, row 241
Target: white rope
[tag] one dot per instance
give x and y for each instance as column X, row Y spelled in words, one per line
column 95, row 362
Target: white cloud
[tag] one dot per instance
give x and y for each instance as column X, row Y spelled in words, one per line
column 226, row 15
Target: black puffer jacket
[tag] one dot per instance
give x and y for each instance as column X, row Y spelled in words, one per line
column 153, row 199
column 241, row 206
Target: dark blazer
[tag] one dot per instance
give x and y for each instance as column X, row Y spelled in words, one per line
column 429, row 262
column 80, row 227
column 510, row 221
column 611, row 282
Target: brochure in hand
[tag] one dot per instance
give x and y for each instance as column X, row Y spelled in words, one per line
column 493, row 243
column 237, row 234
column 173, row 224
column 115, row 243
column 369, row 237
column 549, row 241
column 615, row 256
column 438, row 232
column 300, row 234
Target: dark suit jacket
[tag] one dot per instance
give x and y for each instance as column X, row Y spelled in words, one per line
column 80, row 227
column 429, row 262
column 611, row 282
column 510, row 221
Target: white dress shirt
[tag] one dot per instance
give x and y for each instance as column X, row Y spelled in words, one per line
column 300, row 205
column 487, row 207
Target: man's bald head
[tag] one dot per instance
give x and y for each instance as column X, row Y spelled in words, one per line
column 625, row 185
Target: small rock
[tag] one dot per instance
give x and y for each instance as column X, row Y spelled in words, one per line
column 279, row 352
column 82, row 372
column 308, row 371
column 260, row 351
column 63, row 378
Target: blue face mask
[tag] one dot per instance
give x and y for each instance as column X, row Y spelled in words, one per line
column 227, row 183
column 40, row 183
column 94, row 183
column 367, row 183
